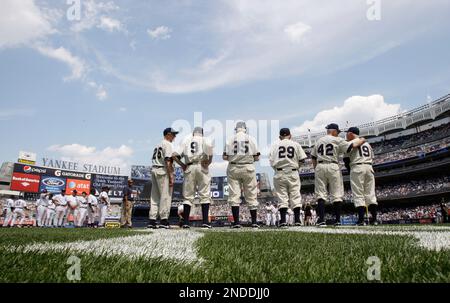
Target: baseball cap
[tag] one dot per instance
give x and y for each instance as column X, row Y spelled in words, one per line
column 198, row 130
column 353, row 130
column 170, row 130
column 284, row 132
column 333, row 126
column 241, row 125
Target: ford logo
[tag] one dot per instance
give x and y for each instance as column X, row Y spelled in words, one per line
column 53, row 182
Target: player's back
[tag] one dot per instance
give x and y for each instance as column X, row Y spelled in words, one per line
column 241, row 149
column 287, row 154
column 162, row 151
column 328, row 149
column 362, row 155
column 195, row 149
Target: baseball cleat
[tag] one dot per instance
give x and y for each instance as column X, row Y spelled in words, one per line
column 321, row 224
column 337, row 224
column 206, row 226
column 237, row 226
column 283, row 226
column 298, row 224
column 186, row 227
column 255, row 226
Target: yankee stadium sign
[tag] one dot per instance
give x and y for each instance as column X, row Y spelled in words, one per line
column 85, row 167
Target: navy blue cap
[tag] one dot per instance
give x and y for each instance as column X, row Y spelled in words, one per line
column 353, row 130
column 333, row 126
column 284, row 132
column 170, row 130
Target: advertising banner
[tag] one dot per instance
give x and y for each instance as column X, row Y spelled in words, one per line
column 116, row 184
column 79, row 185
column 52, row 184
column 25, row 182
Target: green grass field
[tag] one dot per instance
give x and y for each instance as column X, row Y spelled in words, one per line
column 296, row 255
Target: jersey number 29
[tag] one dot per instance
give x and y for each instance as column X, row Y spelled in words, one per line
column 284, row 152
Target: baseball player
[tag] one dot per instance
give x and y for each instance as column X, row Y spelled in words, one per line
column 8, row 210
column 362, row 178
column 290, row 218
column 180, row 214
column 51, row 212
column 72, row 207
column 93, row 207
column 285, row 158
column 197, row 154
column 61, row 208
column 275, row 214
column 269, row 209
column 19, row 211
column 41, row 207
column 163, row 179
column 241, row 152
column 104, row 205
column 328, row 176
column 82, row 209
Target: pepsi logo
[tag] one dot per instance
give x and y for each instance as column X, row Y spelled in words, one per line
column 27, row 169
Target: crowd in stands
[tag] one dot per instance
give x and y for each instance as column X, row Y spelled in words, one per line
column 397, row 155
column 434, row 212
column 405, row 142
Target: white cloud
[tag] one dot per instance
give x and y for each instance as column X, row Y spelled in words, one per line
column 22, row 23
column 160, row 33
column 296, row 32
column 265, row 39
column 356, row 110
column 87, row 154
column 96, row 14
column 100, row 91
column 76, row 64
column 110, row 24
column 123, row 109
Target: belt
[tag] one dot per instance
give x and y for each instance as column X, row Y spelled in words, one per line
column 155, row 166
column 363, row 164
column 327, row 162
column 287, row 169
column 192, row 163
column 234, row 163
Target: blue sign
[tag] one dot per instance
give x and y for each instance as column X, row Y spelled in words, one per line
column 52, row 184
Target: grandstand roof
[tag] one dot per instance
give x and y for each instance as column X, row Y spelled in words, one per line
column 424, row 113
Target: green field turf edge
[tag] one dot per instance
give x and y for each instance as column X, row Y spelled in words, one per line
column 274, row 257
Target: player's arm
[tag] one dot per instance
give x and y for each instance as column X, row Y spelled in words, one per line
column 209, row 151
column 225, row 156
column 355, row 144
column 301, row 155
column 177, row 155
column 177, row 159
column 257, row 155
column 314, row 156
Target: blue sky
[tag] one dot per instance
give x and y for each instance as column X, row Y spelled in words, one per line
column 102, row 88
